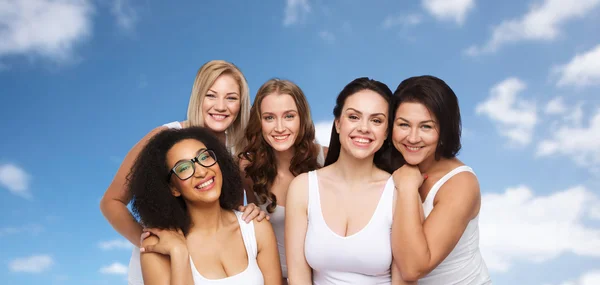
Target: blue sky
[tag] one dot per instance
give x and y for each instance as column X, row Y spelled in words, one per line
column 81, row 81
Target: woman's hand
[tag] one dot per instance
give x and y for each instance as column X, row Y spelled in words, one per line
column 252, row 212
column 408, row 177
column 169, row 241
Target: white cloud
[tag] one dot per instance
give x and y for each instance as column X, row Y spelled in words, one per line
column 515, row 118
column 449, row 10
column 32, row 264
column 588, row 278
column 517, row 226
column 327, row 36
column 541, row 23
column 582, row 71
column 15, row 179
column 294, row 11
column 33, row 229
column 323, row 132
column 580, row 143
column 556, row 106
column 125, row 15
column 115, row 244
column 114, row 269
column 46, row 28
column 402, row 20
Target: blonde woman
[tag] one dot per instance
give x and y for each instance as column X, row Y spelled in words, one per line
column 220, row 102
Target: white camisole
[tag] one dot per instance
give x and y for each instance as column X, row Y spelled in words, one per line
column 362, row 258
column 251, row 275
column 464, row 265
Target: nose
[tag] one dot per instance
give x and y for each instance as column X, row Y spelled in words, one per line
column 364, row 125
column 221, row 106
column 279, row 126
column 199, row 170
column 413, row 136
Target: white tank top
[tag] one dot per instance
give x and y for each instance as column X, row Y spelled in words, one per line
column 464, row 265
column 251, row 275
column 362, row 258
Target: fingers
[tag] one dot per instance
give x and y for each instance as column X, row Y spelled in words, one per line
column 248, row 210
column 242, row 208
column 153, row 231
column 425, row 176
column 148, row 248
column 253, row 214
column 261, row 216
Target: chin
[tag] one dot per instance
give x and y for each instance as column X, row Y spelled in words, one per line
column 217, row 127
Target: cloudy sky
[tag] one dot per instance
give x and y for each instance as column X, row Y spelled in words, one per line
column 81, row 81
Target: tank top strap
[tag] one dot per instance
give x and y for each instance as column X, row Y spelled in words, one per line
column 248, row 235
column 387, row 201
column 314, row 202
column 174, row 125
column 436, row 187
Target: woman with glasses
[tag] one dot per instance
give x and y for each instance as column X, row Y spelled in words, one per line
column 281, row 145
column 185, row 187
column 220, row 102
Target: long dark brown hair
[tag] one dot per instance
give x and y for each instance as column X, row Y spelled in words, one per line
column 262, row 167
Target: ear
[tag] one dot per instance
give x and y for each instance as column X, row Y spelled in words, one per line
column 337, row 125
column 174, row 191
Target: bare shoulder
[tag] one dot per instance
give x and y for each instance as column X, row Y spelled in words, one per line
column 263, row 229
column 463, row 189
column 151, row 240
column 298, row 191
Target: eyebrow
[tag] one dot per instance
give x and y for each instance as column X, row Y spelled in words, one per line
column 286, row 111
column 357, row 111
column 230, row 93
column 422, row 122
column 197, row 153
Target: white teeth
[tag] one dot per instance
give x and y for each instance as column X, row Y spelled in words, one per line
column 205, row 183
column 280, row 137
column 413, row 148
column 219, row 117
column 361, row 140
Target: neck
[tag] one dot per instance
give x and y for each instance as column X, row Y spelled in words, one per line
column 206, row 218
column 429, row 165
column 353, row 169
column 284, row 159
column 222, row 138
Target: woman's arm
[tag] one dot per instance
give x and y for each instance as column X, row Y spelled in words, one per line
column 397, row 277
column 418, row 247
column 165, row 263
column 268, row 255
column 296, row 225
column 114, row 202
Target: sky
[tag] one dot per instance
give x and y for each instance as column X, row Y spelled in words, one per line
column 82, row 81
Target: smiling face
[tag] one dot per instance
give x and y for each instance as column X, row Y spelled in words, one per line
column 221, row 103
column 362, row 125
column 280, row 121
column 206, row 182
column 415, row 133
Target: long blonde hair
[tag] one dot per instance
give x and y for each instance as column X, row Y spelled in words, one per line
column 205, row 78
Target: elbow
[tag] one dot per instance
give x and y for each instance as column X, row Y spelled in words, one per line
column 411, row 273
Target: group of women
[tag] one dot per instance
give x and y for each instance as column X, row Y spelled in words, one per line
column 387, row 202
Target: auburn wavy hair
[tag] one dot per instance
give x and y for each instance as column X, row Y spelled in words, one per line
column 262, row 166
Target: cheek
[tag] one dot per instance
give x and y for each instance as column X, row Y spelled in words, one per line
column 294, row 125
column 234, row 108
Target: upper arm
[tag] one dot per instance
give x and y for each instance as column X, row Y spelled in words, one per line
column 296, row 225
column 268, row 255
column 458, row 202
column 117, row 189
column 156, row 268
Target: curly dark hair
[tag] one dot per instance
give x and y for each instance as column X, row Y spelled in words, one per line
column 152, row 202
column 262, row 168
column 380, row 159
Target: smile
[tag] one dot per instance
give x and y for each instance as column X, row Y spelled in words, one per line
column 219, row 117
column 280, row 138
column 206, row 185
column 361, row 141
column 413, row 148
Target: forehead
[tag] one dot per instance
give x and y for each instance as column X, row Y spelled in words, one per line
column 185, row 149
column 367, row 102
column 414, row 111
column 275, row 103
column 226, row 83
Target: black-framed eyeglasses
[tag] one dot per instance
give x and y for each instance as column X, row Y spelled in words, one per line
column 185, row 169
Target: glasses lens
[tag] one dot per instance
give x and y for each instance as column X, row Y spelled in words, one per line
column 184, row 170
column 207, row 158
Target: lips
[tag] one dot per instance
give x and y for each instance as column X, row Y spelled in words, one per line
column 361, row 141
column 280, row 138
column 219, row 117
column 412, row 148
column 205, row 184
